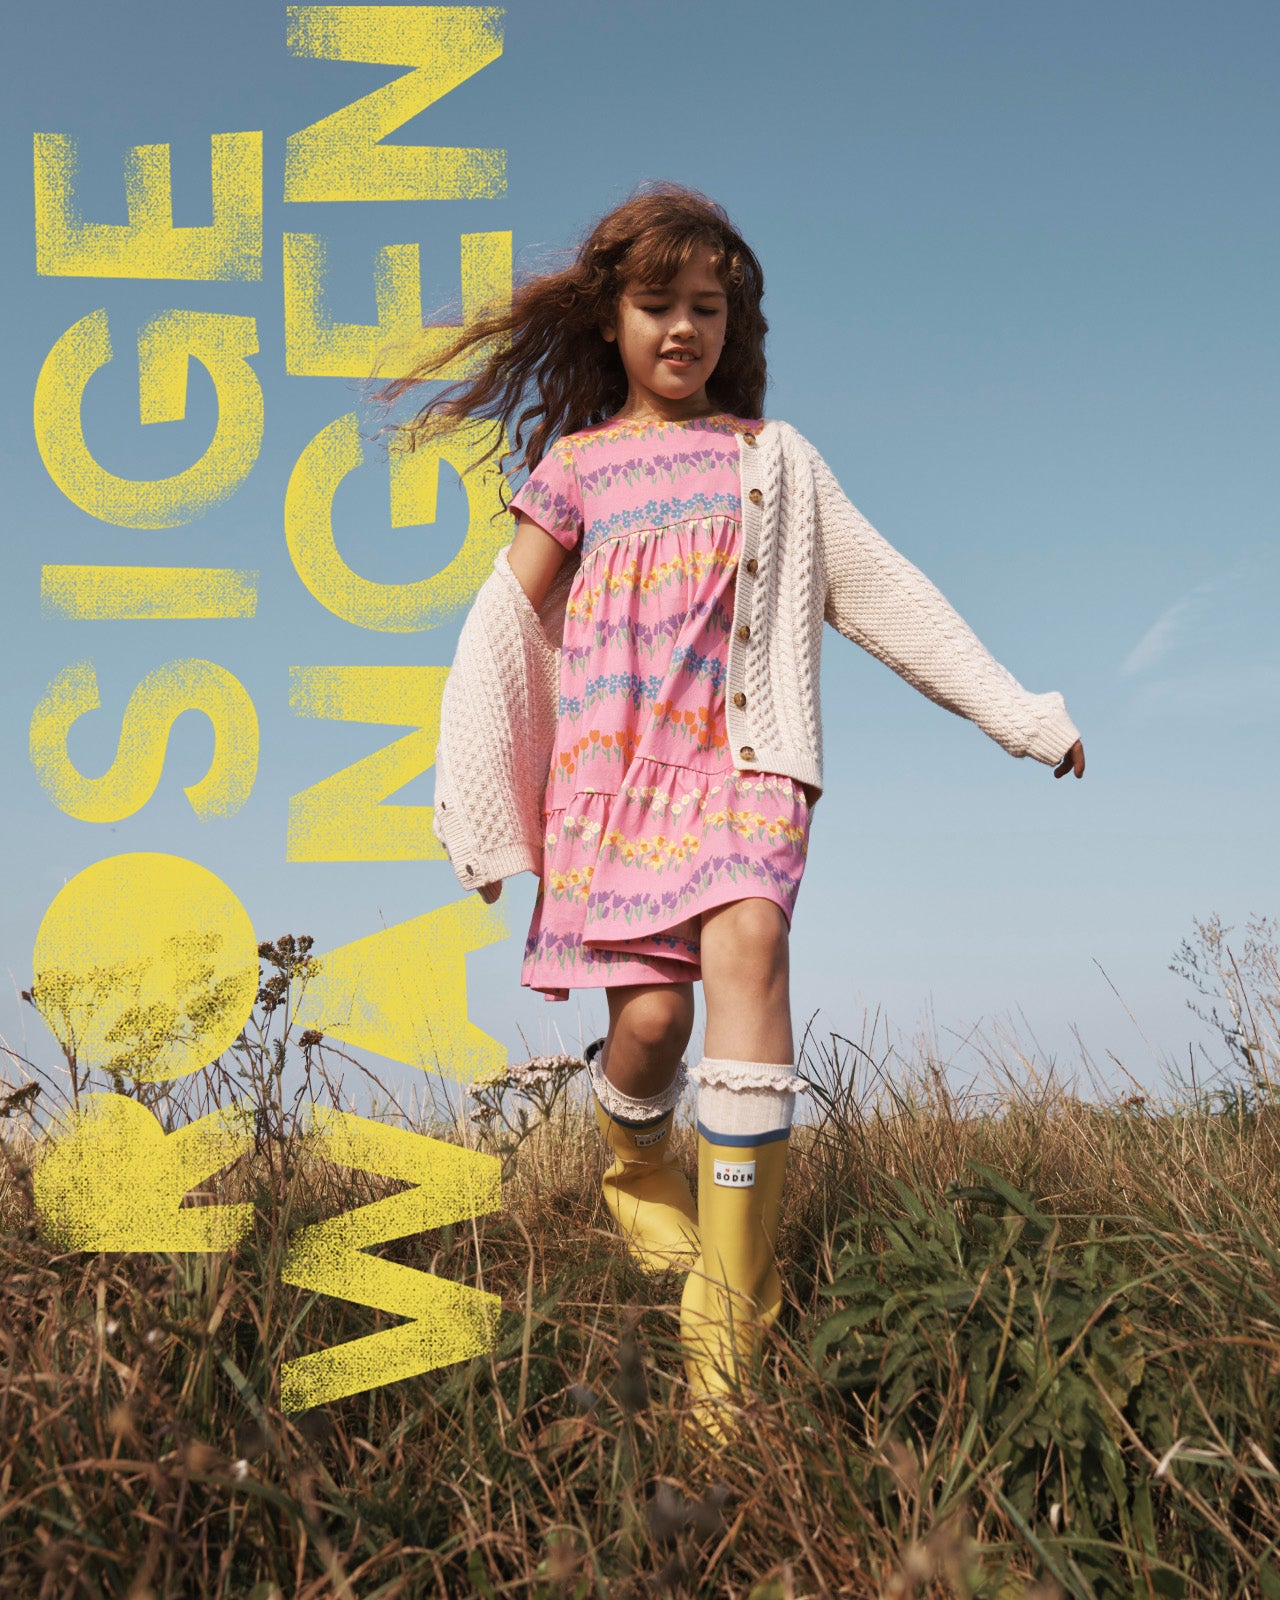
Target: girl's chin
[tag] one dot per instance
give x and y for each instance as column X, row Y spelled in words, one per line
column 677, row 386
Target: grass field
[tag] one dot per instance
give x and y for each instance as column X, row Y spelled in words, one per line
column 1031, row 1347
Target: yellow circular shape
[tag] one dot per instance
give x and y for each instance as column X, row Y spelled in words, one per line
column 146, row 965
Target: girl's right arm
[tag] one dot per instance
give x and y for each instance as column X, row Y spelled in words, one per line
column 535, row 558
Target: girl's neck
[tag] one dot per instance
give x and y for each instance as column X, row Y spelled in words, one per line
column 647, row 413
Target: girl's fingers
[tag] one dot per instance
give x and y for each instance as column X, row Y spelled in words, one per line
column 489, row 892
column 1073, row 761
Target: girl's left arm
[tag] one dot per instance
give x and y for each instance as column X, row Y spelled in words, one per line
column 877, row 598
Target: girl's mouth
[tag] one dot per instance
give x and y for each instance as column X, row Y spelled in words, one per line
column 678, row 358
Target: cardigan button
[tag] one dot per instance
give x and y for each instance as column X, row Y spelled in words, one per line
column 744, row 633
column 756, row 497
column 751, row 565
column 750, row 438
column 747, row 753
column 739, row 699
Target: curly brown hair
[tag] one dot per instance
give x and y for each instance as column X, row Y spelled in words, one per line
column 546, row 359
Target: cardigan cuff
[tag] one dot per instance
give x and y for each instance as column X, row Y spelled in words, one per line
column 493, row 866
column 1054, row 733
column 448, row 825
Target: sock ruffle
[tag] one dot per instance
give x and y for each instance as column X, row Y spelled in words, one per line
column 629, row 1108
column 719, row 1073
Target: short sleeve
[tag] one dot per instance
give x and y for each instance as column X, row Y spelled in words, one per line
column 551, row 496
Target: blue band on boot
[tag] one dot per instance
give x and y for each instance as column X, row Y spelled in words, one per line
column 628, row 1122
column 742, row 1140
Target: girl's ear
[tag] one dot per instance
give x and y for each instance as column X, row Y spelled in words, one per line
column 609, row 331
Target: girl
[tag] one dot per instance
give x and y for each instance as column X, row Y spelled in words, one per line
column 633, row 713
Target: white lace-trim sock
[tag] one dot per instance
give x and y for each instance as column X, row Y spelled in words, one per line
column 741, row 1100
column 630, row 1108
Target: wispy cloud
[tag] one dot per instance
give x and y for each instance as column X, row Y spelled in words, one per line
column 1164, row 632
column 1159, row 638
column 1234, row 605
column 1213, row 655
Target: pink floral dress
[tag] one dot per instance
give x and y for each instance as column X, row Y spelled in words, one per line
column 647, row 823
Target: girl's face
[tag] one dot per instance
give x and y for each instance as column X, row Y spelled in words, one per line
column 670, row 339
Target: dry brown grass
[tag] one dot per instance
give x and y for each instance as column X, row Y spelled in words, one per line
column 143, row 1451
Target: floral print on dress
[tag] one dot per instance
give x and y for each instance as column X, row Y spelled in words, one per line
column 648, row 823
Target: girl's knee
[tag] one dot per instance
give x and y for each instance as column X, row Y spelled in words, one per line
column 659, row 1018
column 747, row 939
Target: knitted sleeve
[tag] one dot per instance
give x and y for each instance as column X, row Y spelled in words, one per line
column 497, row 725
column 875, row 597
column 552, row 497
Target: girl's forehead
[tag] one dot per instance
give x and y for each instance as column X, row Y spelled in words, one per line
column 654, row 259
column 702, row 269
column 712, row 290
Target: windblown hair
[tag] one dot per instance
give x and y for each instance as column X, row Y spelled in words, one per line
column 545, row 361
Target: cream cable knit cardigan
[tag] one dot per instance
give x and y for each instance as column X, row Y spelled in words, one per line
column 807, row 557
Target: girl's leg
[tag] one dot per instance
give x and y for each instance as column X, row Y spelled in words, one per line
column 746, row 982
column 745, row 1096
column 649, row 1029
column 635, row 1099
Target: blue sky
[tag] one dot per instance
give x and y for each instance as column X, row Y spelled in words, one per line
column 1020, row 267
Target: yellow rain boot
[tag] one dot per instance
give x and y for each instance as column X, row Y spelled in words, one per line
column 645, row 1190
column 733, row 1292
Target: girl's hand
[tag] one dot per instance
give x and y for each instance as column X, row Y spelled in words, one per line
column 489, row 892
column 1073, row 761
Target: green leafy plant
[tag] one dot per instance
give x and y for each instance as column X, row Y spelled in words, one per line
column 974, row 1300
